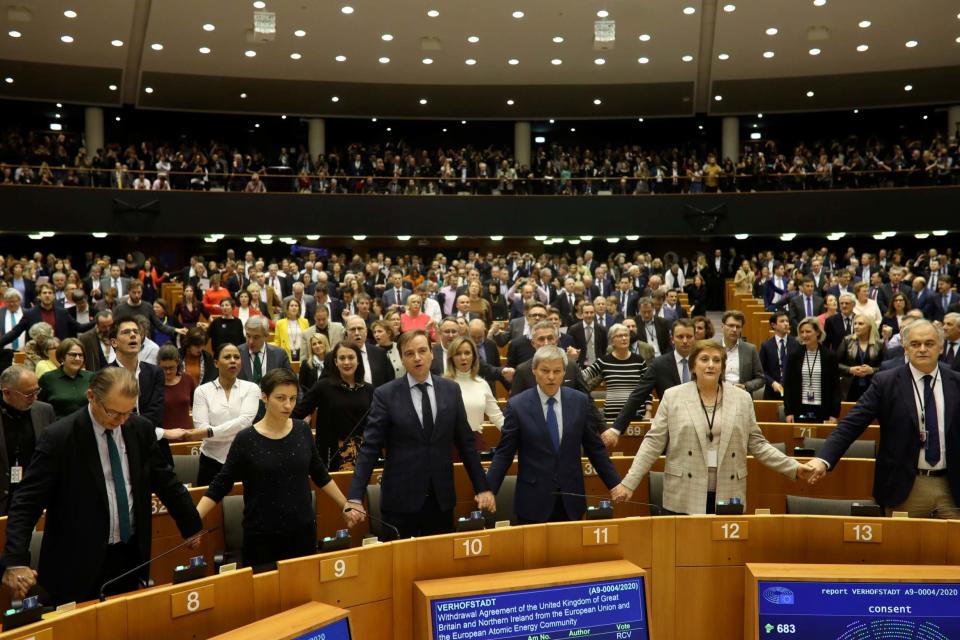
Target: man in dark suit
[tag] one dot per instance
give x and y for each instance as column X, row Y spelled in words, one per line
column 840, row 325
column 23, row 419
column 116, row 280
column 534, row 312
column 450, row 329
column 377, row 369
column 922, row 298
column 651, row 329
column 896, row 285
column 627, row 298
column 134, row 305
column 773, row 355
column 256, row 356
column 487, row 351
column 97, row 346
column 806, row 304
column 547, row 426
column 918, row 408
column 669, row 370
column 944, row 298
column 395, row 296
column 418, row 419
column 45, row 311
column 588, row 338
column 94, row 472
column 323, row 299
column 775, row 289
column 566, row 303
column 951, row 340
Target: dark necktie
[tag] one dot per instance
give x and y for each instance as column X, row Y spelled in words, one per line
column 783, row 357
column 553, row 425
column 951, row 353
column 257, row 368
column 426, row 410
column 120, row 487
column 847, row 323
column 930, row 423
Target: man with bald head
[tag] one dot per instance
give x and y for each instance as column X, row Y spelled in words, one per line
column 22, row 420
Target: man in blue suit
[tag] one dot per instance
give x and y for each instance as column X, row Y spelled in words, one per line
column 418, row 419
column 918, row 407
column 548, row 425
column 773, row 355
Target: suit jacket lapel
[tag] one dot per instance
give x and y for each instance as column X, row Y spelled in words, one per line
column 133, row 457
column 571, row 416
column 408, row 404
column 695, row 413
column 727, row 420
column 87, row 441
column 536, row 411
column 907, row 400
column 442, row 406
column 951, row 400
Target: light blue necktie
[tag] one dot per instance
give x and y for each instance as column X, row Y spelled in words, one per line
column 119, row 488
column 809, row 307
column 685, row 376
column 553, row 426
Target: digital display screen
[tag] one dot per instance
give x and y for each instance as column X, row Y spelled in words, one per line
column 339, row 630
column 609, row 609
column 859, row 610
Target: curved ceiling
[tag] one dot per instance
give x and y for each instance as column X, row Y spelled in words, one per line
column 671, row 54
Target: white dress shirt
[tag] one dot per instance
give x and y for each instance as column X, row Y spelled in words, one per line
column 732, row 372
column 416, row 396
column 100, row 433
column 938, row 397
column 367, row 374
column 226, row 416
column 10, row 320
column 557, row 407
column 478, row 400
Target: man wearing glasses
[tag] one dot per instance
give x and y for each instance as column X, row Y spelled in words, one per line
column 93, row 472
column 22, row 420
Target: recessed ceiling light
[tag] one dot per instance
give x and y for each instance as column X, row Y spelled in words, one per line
column 573, row 129
column 259, row 4
column 862, row 47
column 556, row 62
column 513, row 61
column 718, row 98
column 473, row 39
column 384, row 60
column 470, row 62
column 639, row 119
column 463, row 122
column 334, row 98
column 925, row 116
column 389, row 129
column 56, row 115
column 518, row 14
column 117, row 43
column 687, row 58
column 552, row 121
column 423, row 101
column 910, row 44
column 13, row 33
column 387, row 37
column 819, row 3
column 256, row 125
column 59, row 105
column 341, row 58
column 644, row 37
column 9, row 80
column 643, row 60
column 283, row 117
column 772, row 31
column 346, row 9
column 689, row 11
column 814, row 51
column 433, row 13
column 112, row 87
column 250, row 53
column 864, row 24
column 760, row 116
column 69, row 13
column 148, row 89
column 603, row 13
column 204, row 50
column 510, row 103
column 597, row 101
column 300, row 33
column 66, row 39
column 599, row 61
column 723, row 56
column 558, row 39
column 243, row 96
column 117, row 118
column 296, row 56
column 208, row 27
column 156, row 46
column 810, row 94
column 908, row 87
column 957, row 40
column 427, row 61
column 729, row 8
column 373, row 119
column 768, row 54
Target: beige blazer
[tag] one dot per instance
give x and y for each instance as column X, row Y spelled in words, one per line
column 681, row 424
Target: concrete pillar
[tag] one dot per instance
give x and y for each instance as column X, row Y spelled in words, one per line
column 317, row 138
column 521, row 143
column 953, row 121
column 730, row 140
column 93, row 129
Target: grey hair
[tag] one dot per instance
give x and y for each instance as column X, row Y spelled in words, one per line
column 645, row 300
column 11, row 294
column 544, row 324
column 11, row 376
column 40, row 330
column 916, row 324
column 548, row 353
column 847, row 296
column 614, row 329
column 257, row 323
column 952, row 316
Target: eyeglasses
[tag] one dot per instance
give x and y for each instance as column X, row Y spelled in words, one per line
column 30, row 394
column 115, row 415
column 74, row 354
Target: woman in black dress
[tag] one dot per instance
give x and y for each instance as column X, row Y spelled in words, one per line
column 226, row 328
column 342, row 400
column 697, row 296
column 274, row 461
column 498, row 303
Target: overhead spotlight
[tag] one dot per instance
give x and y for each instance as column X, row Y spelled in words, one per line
column 689, row 11
column 346, row 10
column 341, row 58
column 613, row 240
column 259, row 4
column 450, row 238
column 539, row 238
column 772, row 31
column 470, row 62
column 99, row 234
column 299, row 33
column 787, row 237
column 156, row 46
column 864, row 24
column 209, row 27
column 423, row 101
column 908, row 87
column 556, row 62
column 573, row 129
column 112, row 87
column 760, row 115
column 334, row 98
column 473, row 39
column 814, row 51
column 921, row 236
column 644, row 37
column 359, row 238
column 910, row 44
column 13, row 33
column 69, row 13
column 599, row 61
column 632, row 238
column 687, row 58
column 556, row 39
column 939, row 233
column 313, row 236
column 148, row 89
column 718, row 98
column 756, row 135
column 819, row 3
column 862, row 47
column 296, row 56
column 639, row 119
column 518, row 14
column 540, row 140
column 729, row 8
column 433, row 13
column 403, row 238
column 384, row 60
column 66, row 39
column 510, row 103
column 574, row 241
column 768, row 54
column 597, row 101
column 643, row 60
column 586, row 238
column 741, row 236
column 723, row 56
column 496, row 238
column 117, row 43
column 427, row 61
column 810, row 94
column 243, row 96
column 603, row 13
column 204, row 50
column 387, row 37
column 250, row 53
column 513, row 62
column 9, row 80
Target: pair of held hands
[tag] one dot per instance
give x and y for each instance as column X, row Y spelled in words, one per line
column 811, row 471
column 354, row 513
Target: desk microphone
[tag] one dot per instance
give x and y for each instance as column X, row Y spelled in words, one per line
column 372, row 517
column 189, row 540
column 660, row 510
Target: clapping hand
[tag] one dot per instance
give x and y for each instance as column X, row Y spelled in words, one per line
column 486, row 501
column 620, row 493
column 812, row 471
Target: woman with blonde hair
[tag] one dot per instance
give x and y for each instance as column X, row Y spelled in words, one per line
column 860, row 355
column 311, row 367
column 743, row 280
column 462, row 366
column 289, row 329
